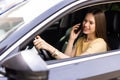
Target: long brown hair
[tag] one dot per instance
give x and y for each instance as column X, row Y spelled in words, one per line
column 100, row 21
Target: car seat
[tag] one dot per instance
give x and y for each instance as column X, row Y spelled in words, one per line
column 113, row 29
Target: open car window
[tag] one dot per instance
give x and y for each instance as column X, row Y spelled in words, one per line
column 8, row 25
column 57, row 34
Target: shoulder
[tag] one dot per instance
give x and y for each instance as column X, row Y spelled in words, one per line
column 97, row 45
column 99, row 42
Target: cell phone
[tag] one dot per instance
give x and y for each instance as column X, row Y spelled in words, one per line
column 79, row 28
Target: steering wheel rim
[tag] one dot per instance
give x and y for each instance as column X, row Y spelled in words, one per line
column 45, row 54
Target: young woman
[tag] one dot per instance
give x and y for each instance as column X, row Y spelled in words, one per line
column 93, row 41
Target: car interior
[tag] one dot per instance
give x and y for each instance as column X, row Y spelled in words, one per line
column 58, row 33
column 113, row 29
column 63, row 26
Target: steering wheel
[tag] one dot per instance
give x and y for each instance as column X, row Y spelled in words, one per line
column 45, row 55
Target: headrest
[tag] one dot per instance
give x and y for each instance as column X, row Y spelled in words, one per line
column 113, row 21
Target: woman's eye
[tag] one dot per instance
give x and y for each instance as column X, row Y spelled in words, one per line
column 91, row 22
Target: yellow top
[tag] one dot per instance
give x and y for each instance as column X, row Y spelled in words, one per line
column 95, row 46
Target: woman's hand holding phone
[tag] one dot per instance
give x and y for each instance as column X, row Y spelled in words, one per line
column 78, row 29
column 75, row 32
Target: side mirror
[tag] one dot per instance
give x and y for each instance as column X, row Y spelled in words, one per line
column 26, row 65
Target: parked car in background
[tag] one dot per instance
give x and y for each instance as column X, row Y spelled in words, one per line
column 22, row 20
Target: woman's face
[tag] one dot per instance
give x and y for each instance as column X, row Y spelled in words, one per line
column 89, row 24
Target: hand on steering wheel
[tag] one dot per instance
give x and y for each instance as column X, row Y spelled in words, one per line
column 41, row 47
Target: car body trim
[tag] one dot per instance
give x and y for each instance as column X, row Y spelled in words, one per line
column 82, row 59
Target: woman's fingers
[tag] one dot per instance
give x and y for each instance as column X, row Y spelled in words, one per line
column 75, row 27
column 39, row 42
column 37, row 37
column 38, row 46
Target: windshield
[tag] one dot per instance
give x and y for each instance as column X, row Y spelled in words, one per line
column 8, row 25
column 15, row 13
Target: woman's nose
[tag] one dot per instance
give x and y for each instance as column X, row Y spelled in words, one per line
column 86, row 24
